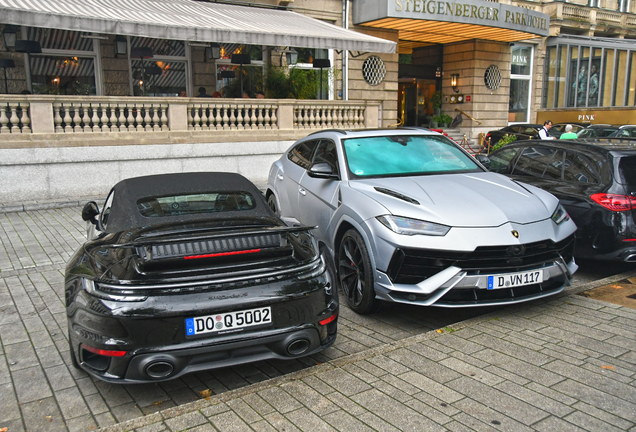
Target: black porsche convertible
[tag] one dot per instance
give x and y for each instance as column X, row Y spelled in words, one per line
column 193, row 271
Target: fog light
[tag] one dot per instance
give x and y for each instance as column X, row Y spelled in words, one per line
column 411, row 297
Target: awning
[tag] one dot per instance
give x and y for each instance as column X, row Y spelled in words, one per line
column 189, row 20
column 426, row 22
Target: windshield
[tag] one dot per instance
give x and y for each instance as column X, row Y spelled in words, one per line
column 401, row 155
column 176, row 205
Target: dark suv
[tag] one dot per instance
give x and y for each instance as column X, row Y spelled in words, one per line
column 595, row 179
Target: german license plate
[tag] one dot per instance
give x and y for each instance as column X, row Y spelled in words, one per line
column 511, row 280
column 228, row 322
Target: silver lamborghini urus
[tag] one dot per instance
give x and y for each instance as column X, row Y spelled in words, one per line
column 410, row 217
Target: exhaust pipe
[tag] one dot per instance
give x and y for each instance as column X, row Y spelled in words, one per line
column 160, row 369
column 298, row 347
column 630, row 258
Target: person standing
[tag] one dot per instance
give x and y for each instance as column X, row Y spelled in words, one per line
column 543, row 132
column 568, row 134
column 203, row 93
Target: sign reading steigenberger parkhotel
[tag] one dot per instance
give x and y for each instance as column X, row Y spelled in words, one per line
column 476, row 12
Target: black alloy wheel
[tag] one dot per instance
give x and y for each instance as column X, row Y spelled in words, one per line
column 356, row 274
column 271, row 202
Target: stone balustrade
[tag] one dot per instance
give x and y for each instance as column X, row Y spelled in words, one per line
column 65, row 115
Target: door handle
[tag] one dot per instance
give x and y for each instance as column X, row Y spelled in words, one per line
column 302, row 191
column 279, row 177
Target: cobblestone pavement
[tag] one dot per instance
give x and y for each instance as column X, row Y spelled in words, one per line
column 40, row 390
column 568, row 363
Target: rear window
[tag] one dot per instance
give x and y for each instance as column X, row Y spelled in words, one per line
column 627, row 168
column 213, row 202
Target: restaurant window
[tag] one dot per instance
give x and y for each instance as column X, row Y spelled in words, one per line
column 582, row 72
column 164, row 74
column 251, row 74
column 305, row 66
column 520, row 83
column 68, row 64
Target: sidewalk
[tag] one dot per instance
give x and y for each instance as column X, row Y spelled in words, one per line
column 566, row 364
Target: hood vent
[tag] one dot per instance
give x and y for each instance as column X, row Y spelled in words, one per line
column 397, row 195
column 211, row 246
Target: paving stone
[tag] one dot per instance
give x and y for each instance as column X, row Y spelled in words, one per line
column 466, row 422
column 396, row 414
column 21, row 356
column 31, row 385
column 186, row 421
column 377, row 423
column 9, row 409
column 474, row 372
column 362, row 371
column 343, row 421
column 428, row 411
column 417, row 363
column 280, row 400
column 125, row 412
column 430, row 352
column 81, row 424
column 71, row 403
column 306, row 420
column 597, row 398
column 605, row 383
column 318, row 403
column 258, row 404
column 155, row 427
column 488, row 416
column 280, row 423
column 43, row 415
column 554, row 424
column 345, row 403
column 510, row 349
column 519, row 367
column 431, row 387
column 538, row 400
column 588, row 422
column 498, row 400
column 215, row 409
column 343, row 382
column 96, row 404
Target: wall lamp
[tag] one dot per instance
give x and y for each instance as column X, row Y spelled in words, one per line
column 10, row 35
column 454, row 79
column 291, row 55
column 212, row 52
column 121, row 45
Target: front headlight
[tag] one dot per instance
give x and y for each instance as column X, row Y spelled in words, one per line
column 406, row 226
column 560, row 215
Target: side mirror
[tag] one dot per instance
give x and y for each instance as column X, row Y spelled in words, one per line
column 90, row 212
column 483, row 159
column 321, row 170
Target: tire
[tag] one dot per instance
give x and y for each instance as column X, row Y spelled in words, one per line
column 356, row 273
column 271, row 203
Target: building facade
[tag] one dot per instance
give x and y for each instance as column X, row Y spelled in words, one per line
column 106, row 90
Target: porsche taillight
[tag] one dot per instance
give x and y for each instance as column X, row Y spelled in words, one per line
column 615, row 202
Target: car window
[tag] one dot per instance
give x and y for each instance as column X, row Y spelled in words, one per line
column 108, row 205
column 187, row 204
column 512, row 129
column 540, row 162
column 627, row 170
column 622, row 133
column 301, row 154
column 396, row 155
column 530, row 131
column 500, row 160
column 326, row 153
column 579, row 168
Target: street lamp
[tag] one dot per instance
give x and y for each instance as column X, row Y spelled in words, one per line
column 321, row 64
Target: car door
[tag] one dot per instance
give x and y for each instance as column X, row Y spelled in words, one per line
column 297, row 164
column 318, row 197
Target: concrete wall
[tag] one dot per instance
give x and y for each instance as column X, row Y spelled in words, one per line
column 64, row 173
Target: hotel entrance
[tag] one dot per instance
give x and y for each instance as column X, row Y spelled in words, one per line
column 416, row 99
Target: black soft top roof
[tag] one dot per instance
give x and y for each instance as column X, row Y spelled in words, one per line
column 125, row 215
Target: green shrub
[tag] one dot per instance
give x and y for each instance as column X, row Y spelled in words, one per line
column 443, row 120
column 507, row 139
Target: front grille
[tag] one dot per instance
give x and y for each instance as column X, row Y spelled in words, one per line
column 469, row 296
column 208, row 246
column 410, row 266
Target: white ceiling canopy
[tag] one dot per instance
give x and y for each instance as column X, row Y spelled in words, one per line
column 189, row 20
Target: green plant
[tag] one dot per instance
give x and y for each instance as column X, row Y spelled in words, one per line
column 507, row 139
column 443, row 120
column 436, row 99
